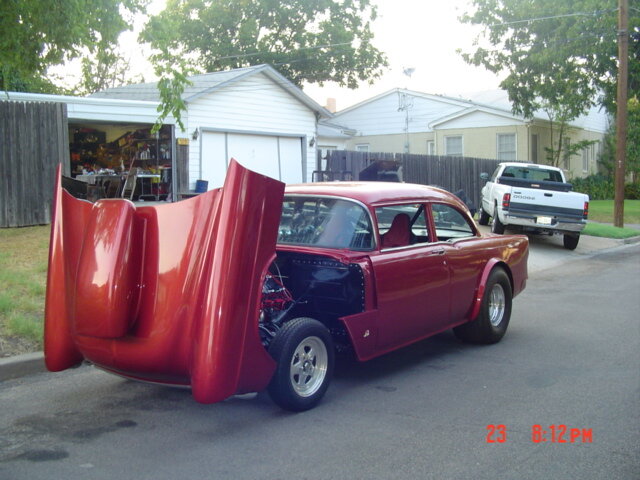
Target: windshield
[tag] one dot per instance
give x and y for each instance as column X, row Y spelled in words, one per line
column 534, row 174
column 325, row 222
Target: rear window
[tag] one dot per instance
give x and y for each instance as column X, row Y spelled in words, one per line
column 534, row 174
column 325, row 222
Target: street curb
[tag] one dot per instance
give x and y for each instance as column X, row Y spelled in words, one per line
column 21, row 365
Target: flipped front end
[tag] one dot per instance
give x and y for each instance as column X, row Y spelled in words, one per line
column 168, row 293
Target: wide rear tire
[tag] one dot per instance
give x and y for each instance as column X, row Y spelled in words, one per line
column 495, row 312
column 303, row 350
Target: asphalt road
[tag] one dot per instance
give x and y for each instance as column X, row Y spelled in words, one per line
column 571, row 358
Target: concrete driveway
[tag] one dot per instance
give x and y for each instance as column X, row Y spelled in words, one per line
column 547, row 251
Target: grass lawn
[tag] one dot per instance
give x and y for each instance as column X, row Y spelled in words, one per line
column 23, row 275
column 602, row 211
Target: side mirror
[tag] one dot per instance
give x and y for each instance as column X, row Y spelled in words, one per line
column 484, row 176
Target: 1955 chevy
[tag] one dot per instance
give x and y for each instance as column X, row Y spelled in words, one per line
column 255, row 286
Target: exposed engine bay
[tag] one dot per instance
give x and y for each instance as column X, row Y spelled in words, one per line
column 303, row 285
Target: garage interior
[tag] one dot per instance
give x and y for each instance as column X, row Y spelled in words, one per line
column 124, row 160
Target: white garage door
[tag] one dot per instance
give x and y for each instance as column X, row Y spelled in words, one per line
column 276, row 157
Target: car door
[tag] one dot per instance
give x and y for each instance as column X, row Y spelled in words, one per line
column 463, row 251
column 411, row 277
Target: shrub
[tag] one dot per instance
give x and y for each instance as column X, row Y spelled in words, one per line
column 632, row 191
column 598, row 187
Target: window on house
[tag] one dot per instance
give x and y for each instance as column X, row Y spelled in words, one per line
column 506, row 147
column 431, row 147
column 362, row 147
column 453, row 145
column 534, row 148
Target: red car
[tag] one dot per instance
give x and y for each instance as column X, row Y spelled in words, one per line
column 254, row 286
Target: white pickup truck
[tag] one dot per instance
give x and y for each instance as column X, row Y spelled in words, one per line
column 535, row 197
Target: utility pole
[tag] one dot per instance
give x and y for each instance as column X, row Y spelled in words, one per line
column 621, row 111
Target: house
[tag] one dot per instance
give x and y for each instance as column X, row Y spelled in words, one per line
column 253, row 114
column 483, row 127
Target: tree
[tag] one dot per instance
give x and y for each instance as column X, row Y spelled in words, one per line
column 560, row 57
column 38, row 34
column 305, row 40
column 106, row 68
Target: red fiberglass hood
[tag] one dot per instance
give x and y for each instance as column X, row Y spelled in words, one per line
column 166, row 293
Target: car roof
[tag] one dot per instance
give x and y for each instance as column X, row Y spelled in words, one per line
column 373, row 193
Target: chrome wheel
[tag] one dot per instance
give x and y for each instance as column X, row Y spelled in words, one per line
column 496, row 304
column 308, row 366
column 303, row 350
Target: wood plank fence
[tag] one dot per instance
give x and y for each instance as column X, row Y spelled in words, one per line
column 450, row 173
column 34, row 138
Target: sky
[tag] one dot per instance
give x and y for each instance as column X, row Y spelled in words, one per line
column 419, row 34
column 424, row 35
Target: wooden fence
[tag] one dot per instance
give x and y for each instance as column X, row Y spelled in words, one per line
column 33, row 140
column 450, row 173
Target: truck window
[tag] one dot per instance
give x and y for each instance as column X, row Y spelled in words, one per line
column 533, row 174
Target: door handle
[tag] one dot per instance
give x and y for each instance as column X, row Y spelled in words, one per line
column 440, row 251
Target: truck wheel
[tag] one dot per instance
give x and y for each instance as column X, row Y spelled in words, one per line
column 496, row 225
column 495, row 312
column 304, row 353
column 570, row 241
column 484, row 217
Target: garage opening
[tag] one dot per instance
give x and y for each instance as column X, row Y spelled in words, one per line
column 121, row 160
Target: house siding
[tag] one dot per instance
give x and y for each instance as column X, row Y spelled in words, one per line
column 382, row 117
column 256, row 105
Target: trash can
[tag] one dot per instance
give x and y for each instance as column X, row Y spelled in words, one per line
column 202, row 186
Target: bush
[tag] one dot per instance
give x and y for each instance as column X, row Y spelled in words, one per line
column 632, row 191
column 598, row 187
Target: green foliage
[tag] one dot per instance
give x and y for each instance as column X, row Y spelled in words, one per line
column 598, row 187
column 311, row 41
column 23, row 265
column 632, row 191
column 38, row 34
column 559, row 56
column 632, row 161
column 305, row 40
column 602, row 187
column 609, row 231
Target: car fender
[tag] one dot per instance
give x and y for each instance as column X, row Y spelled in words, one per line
column 484, row 277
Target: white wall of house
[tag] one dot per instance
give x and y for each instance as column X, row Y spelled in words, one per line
column 255, row 121
column 381, row 116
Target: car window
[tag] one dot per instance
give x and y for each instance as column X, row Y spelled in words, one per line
column 401, row 225
column 325, row 222
column 450, row 223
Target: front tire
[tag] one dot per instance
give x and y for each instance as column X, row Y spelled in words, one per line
column 495, row 312
column 303, row 350
column 496, row 225
column 570, row 241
